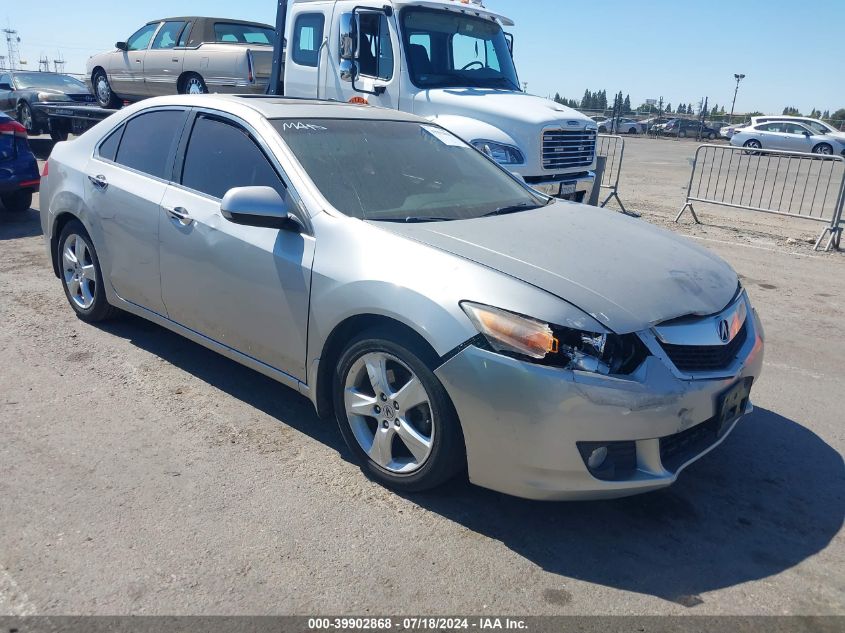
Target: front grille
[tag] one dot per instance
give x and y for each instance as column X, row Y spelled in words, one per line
column 82, row 98
column 565, row 149
column 676, row 450
column 694, row 358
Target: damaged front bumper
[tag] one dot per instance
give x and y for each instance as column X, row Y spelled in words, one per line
column 529, row 428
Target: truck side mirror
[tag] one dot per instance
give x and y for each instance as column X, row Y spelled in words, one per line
column 348, row 70
column 349, row 36
column 509, row 40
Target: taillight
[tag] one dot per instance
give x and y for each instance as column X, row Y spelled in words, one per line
column 251, row 74
column 13, row 128
column 46, row 169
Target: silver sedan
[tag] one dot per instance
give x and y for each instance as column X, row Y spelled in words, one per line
column 449, row 317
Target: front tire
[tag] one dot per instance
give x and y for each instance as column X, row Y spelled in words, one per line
column 17, row 202
column 102, row 90
column 824, row 149
column 395, row 415
column 81, row 275
column 751, row 145
column 25, row 118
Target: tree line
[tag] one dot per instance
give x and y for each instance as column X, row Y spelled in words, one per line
column 598, row 101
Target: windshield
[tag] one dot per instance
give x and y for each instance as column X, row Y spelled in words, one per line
column 401, row 171
column 48, row 81
column 818, row 127
column 450, row 50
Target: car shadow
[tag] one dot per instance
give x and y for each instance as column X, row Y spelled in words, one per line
column 771, row 496
column 41, row 147
column 14, row 226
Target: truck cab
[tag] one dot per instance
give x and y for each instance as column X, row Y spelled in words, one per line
column 450, row 61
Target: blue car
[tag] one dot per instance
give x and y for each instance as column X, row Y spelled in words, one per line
column 19, row 177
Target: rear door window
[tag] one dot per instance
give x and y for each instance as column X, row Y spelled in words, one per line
column 221, row 156
column 108, row 148
column 149, row 142
column 168, row 36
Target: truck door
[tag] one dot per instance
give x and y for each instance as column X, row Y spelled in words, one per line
column 378, row 77
column 163, row 62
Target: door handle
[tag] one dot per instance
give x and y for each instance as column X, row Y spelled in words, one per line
column 137, row 61
column 99, row 182
column 181, row 214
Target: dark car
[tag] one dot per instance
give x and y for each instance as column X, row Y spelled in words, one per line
column 19, row 177
column 22, row 92
column 684, row 128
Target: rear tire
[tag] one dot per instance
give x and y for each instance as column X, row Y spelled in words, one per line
column 824, row 149
column 17, row 202
column 711, row 136
column 82, row 278
column 193, row 84
column 102, row 90
column 409, row 448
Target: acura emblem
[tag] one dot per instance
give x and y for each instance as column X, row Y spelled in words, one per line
column 724, row 331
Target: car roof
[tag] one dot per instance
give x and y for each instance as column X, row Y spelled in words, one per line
column 189, row 18
column 274, row 107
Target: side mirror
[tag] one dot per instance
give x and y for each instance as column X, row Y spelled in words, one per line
column 259, row 206
column 5, row 87
column 122, row 46
column 349, row 36
column 348, row 70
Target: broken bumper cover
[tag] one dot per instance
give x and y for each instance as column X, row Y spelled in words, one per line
column 523, row 423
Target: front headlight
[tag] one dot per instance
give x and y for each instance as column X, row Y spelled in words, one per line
column 557, row 346
column 52, row 96
column 501, row 153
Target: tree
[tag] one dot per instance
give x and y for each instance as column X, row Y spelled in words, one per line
column 668, row 108
column 585, row 102
column 838, row 116
column 790, row 111
column 626, row 105
column 826, row 114
column 603, row 100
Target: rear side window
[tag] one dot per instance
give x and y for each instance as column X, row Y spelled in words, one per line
column 183, row 40
column 108, row 148
column 221, row 156
column 307, row 37
column 243, row 33
column 168, row 35
column 149, row 141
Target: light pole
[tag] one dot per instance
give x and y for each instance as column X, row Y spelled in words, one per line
column 738, row 78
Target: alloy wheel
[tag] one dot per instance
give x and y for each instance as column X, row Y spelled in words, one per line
column 78, row 271
column 195, row 86
column 26, row 117
column 103, row 89
column 389, row 413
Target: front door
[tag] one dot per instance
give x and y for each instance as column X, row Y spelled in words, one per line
column 378, row 63
column 798, row 138
column 126, row 181
column 126, row 68
column 245, row 287
column 163, row 61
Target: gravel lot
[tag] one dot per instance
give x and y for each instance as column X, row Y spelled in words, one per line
column 140, row 473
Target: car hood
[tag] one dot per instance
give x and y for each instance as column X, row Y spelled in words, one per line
column 494, row 105
column 625, row 273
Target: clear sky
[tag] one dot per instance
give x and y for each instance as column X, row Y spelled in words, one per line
column 679, row 50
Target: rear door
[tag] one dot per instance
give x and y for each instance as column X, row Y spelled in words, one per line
column 163, row 61
column 245, row 287
column 126, row 181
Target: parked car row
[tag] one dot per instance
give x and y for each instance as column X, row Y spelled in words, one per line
column 790, row 135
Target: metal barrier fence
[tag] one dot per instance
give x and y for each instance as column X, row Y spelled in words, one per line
column 806, row 186
column 612, row 148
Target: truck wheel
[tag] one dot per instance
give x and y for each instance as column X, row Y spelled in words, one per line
column 25, row 117
column 17, row 202
column 194, row 85
column 102, row 90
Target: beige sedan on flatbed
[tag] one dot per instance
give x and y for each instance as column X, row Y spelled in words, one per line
column 184, row 55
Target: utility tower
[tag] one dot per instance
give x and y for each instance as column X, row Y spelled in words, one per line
column 43, row 64
column 59, row 64
column 12, row 42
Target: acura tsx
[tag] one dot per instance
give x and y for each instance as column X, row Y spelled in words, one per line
column 449, row 316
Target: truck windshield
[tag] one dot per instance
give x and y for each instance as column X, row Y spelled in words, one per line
column 399, row 171
column 449, row 50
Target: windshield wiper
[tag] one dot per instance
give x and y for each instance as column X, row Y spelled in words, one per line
column 516, row 208
column 413, row 219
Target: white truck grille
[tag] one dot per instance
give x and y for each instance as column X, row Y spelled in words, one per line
column 564, row 149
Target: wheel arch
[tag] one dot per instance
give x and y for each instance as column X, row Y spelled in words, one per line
column 59, row 223
column 183, row 77
column 94, row 72
column 346, row 331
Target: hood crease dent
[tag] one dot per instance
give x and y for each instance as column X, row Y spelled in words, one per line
column 627, row 274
